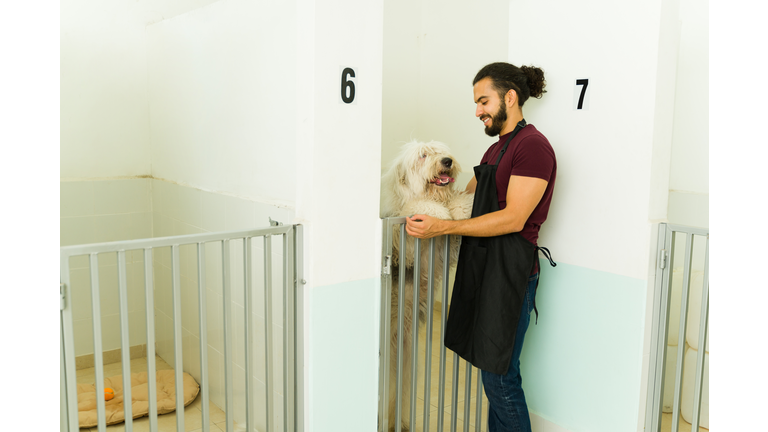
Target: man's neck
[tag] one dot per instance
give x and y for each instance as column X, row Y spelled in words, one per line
column 512, row 120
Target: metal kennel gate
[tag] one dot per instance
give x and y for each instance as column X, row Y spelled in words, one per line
column 396, row 227
column 292, row 267
column 669, row 250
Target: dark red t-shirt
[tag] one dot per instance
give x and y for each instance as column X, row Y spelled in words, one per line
column 528, row 155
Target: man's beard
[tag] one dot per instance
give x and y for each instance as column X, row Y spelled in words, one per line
column 497, row 122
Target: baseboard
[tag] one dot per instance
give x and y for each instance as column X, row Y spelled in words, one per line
column 540, row 424
column 112, row 356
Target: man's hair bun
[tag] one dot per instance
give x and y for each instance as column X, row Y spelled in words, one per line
column 536, row 81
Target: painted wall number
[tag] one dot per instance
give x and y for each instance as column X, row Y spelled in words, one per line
column 580, row 94
column 347, row 85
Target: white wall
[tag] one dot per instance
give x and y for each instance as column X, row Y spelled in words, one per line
column 601, row 200
column 104, row 105
column 339, row 160
column 222, row 99
column 689, row 170
column 432, row 51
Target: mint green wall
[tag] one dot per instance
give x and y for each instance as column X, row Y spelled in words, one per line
column 582, row 364
column 344, row 346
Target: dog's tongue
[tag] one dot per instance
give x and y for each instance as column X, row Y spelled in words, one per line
column 444, row 178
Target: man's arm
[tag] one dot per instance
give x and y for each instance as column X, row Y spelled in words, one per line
column 471, row 185
column 523, row 194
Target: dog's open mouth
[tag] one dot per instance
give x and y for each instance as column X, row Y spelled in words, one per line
column 442, row 180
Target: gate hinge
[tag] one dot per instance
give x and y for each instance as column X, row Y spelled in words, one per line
column 61, row 294
column 387, row 265
column 663, row 258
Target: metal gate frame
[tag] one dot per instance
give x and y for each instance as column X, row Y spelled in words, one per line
column 661, row 307
column 292, row 326
column 389, row 231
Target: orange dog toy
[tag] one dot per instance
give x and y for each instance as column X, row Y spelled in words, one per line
column 108, row 393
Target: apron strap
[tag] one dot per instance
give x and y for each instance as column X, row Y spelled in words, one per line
column 521, row 124
column 547, row 255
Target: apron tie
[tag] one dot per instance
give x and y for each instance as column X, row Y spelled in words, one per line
column 547, row 255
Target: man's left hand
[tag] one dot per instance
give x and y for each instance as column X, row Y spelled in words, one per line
column 423, row 226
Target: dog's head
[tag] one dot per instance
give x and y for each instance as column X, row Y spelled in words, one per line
column 425, row 169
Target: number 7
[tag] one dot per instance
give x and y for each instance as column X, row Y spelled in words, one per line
column 585, row 83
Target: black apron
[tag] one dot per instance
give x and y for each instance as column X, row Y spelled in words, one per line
column 491, row 280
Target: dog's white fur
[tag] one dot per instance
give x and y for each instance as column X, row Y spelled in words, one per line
column 408, row 188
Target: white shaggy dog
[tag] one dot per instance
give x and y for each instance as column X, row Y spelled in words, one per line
column 419, row 181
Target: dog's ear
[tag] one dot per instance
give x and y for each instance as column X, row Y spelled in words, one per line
column 400, row 173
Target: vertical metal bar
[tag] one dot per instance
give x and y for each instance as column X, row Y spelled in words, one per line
column 666, row 293
column 385, row 363
column 428, row 332
column 68, row 344
column 202, row 301
column 250, row 415
column 467, row 394
column 149, row 303
column 703, row 322
column 63, row 411
column 455, row 392
column 227, row 300
column 177, row 352
column 98, row 358
column 270, row 420
column 289, row 333
column 443, row 315
column 400, row 317
column 479, row 402
column 285, row 335
column 656, row 356
column 681, row 336
column 298, row 307
column 125, row 343
column 415, row 330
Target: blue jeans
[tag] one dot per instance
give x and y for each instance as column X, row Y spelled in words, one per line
column 507, row 410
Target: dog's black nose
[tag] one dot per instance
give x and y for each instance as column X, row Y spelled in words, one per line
column 447, row 162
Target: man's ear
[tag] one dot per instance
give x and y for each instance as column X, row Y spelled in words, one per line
column 511, row 98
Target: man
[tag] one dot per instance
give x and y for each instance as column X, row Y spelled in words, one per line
column 497, row 269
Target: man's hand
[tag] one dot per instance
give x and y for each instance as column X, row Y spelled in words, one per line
column 423, row 226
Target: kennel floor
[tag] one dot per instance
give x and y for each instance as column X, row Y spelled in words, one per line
column 193, row 414
column 435, row 384
column 666, row 424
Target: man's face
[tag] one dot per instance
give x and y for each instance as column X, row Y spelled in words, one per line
column 490, row 108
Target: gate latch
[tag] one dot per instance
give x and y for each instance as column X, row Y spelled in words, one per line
column 387, row 265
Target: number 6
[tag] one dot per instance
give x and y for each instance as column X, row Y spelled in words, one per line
column 346, row 83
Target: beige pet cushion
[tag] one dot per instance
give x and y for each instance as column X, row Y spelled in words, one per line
column 166, row 397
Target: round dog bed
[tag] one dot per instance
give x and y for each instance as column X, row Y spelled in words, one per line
column 166, row 397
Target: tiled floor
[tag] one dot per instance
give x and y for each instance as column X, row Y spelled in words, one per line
column 666, row 424
column 165, row 422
